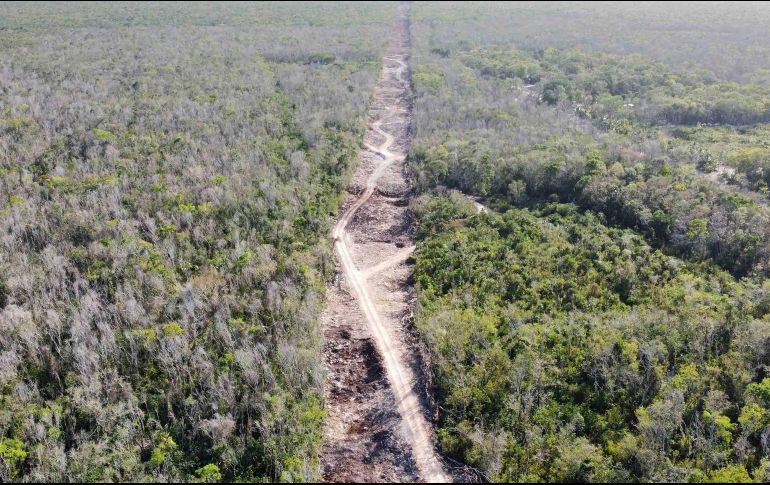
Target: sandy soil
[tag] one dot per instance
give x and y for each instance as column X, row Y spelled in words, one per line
column 376, row 392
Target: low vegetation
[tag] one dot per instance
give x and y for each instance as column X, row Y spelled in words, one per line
column 168, row 175
column 605, row 319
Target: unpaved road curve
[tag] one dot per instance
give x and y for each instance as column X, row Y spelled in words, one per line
column 364, row 269
column 399, row 374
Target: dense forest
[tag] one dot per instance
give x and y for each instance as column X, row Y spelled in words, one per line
column 168, row 175
column 606, row 317
column 590, row 199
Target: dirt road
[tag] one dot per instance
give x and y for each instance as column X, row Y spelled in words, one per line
column 377, row 428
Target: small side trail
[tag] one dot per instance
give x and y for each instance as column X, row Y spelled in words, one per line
column 377, row 429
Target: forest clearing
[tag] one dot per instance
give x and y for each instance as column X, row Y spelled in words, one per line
column 384, row 242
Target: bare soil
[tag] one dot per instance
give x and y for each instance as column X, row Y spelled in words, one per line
column 377, row 395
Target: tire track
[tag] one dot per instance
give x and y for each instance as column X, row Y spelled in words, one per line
column 392, row 114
